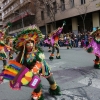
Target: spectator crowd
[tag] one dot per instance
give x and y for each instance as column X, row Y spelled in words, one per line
column 79, row 40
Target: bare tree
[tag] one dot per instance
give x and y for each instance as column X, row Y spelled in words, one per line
column 49, row 7
column 82, row 10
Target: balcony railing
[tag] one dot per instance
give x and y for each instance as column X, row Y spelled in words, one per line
column 16, row 18
column 22, row 4
column 8, row 4
column 17, row 30
column 17, row 7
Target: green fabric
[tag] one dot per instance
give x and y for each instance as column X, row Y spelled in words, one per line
column 89, row 50
column 51, row 58
column 55, row 92
column 3, row 55
column 38, row 56
column 47, row 69
column 97, row 66
column 58, row 57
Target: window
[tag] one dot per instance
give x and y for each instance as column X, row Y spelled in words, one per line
column 42, row 15
column 82, row 2
column 55, row 7
column 21, row 1
column 48, row 10
column 72, row 3
column 62, row 5
column 49, row 28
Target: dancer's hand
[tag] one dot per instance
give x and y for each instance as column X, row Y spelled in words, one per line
column 1, row 79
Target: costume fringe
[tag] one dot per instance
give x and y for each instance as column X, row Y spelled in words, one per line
column 55, row 92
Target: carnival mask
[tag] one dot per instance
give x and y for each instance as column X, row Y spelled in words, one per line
column 30, row 45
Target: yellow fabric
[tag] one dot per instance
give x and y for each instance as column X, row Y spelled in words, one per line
column 54, row 86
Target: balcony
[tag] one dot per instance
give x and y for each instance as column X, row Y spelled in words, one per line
column 8, row 4
column 18, row 30
column 22, row 4
column 17, row 7
column 18, row 17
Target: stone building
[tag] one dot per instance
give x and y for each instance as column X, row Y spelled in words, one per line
column 79, row 15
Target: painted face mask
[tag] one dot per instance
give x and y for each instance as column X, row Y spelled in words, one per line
column 29, row 46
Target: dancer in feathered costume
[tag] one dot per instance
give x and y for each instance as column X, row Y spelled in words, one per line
column 9, row 41
column 68, row 42
column 29, row 65
column 54, row 42
column 94, row 47
column 3, row 47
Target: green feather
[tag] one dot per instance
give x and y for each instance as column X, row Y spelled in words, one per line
column 9, row 24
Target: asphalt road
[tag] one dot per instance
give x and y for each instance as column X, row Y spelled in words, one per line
column 74, row 73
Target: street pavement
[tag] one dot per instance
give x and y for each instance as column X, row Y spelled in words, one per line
column 74, row 73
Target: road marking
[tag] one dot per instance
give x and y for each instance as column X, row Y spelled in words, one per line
column 73, row 95
column 92, row 82
column 58, row 64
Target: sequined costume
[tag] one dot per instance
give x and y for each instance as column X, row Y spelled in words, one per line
column 48, row 43
column 54, row 42
column 29, row 65
column 94, row 47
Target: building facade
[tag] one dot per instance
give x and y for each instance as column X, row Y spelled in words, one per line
column 19, row 12
column 0, row 15
column 80, row 15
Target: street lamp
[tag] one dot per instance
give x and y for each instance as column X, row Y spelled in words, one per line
column 21, row 18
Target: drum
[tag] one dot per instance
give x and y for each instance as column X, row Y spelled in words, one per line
column 20, row 75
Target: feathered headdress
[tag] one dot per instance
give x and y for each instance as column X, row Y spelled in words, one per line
column 97, row 31
column 32, row 33
column 2, row 32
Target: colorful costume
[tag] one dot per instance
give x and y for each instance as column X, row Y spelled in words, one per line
column 54, row 42
column 3, row 47
column 94, row 47
column 48, row 43
column 29, row 65
column 9, row 41
column 68, row 42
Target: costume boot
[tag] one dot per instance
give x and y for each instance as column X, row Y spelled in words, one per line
column 37, row 96
column 51, row 57
column 58, row 56
column 54, row 89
